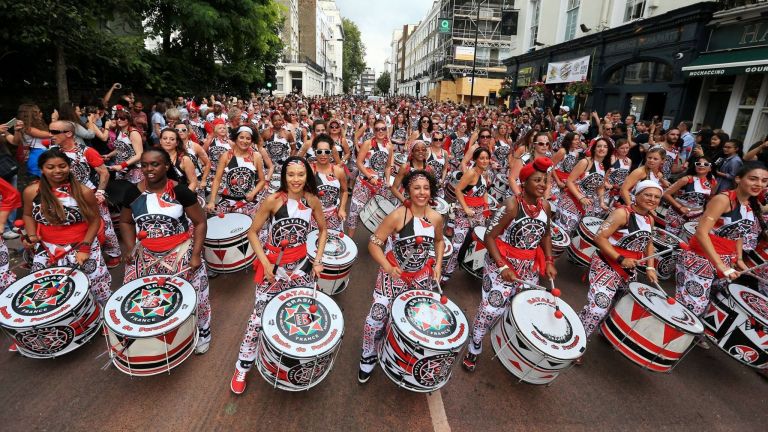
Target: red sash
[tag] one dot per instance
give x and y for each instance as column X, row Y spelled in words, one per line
column 478, row 202
column 562, row 175
column 616, row 266
column 163, row 244
column 411, row 276
column 576, row 202
column 67, row 234
column 290, row 255
column 11, row 198
column 723, row 246
column 509, row 251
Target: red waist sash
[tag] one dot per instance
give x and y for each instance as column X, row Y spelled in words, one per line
column 290, row 255
column 621, row 271
column 478, row 202
column 509, row 251
column 67, row 234
column 162, row 244
column 410, row 276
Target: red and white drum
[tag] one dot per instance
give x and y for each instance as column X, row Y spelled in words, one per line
column 274, row 184
column 659, row 216
column 400, row 159
column 474, row 257
column 339, row 255
column 499, row 189
column 151, row 324
column 447, row 250
column 48, row 319
column 583, row 244
column 663, row 241
column 560, row 240
column 441, row 206
column 737, row 321
column 650, row 328
column 450, row 187
column 757, row 256
column 297, row 348
column 423, row 340
column 375, row 211
column 532, row 343
column 227, row 248
column 689, row 230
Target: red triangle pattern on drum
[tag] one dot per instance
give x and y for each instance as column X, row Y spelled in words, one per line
column 670, row 334
column 168, row 337
column 639, row 312
column 220, row 253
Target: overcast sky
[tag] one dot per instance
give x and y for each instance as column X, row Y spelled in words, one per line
column 378, row 19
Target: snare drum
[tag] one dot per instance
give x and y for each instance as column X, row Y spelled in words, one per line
column 339, row 255
column 663, row 241
column 532, row 343
column 689, row 230
column 737, row 321
column 583, row 244
column 423, row 340
column 47, row 319
column 651, row 329
column 375, row 211
column 474, row 258
column 297, row 348
column 560, row 240
column 441, row 206
column 227, row 248
column 151, row 324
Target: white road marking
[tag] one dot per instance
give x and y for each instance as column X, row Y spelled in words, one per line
column 437, row 412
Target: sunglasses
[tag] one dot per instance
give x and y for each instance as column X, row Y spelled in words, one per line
column 122, row 118
column 425, row 121
column 334, row 127
column 380, row 129
column 323, row 152
column 56, row 132
column 542, row 143
column 435, row 139
column 703, row 164
column 181, row 130
column 485, row 136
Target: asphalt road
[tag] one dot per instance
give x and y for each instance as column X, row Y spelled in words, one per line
column 708, row 389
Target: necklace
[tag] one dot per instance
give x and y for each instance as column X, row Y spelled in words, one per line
column 531, row 210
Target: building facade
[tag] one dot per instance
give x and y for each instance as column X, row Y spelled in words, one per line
column 367, row 81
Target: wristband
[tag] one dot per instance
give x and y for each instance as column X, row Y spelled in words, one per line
column 729, row 272
column 84, row 248
column 650, row 268
column 620, row 259
column 502, row 268
column 550, row 260
column 124, row 165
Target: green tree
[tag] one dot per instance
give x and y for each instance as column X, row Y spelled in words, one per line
column 383, row 83
column 354, row 54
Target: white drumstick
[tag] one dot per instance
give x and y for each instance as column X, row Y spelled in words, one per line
column 752, row 269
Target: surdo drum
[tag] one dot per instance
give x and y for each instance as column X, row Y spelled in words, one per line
column 297, row 348
column 447, row 250
column 339, row 255
column 532, row 342
column 474, row 257
column 737, row 321
column 441, row 206
column 663, row 241
column 227, row 248
column 651, row 329
column 583, row 244
column 274, row 184
column 48, row 319
column 151, row 324
column 560, row 239
column 375, row 211
column 400, row 159
column 422, row 341
column 450, row 187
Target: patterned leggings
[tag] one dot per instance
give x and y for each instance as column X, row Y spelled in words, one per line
column 695, row 278
column 7, row 277
column 111, row 245
column 604, row 283
column 463, row 225
column 497, row 294
column 384, row 294
column 94, row 267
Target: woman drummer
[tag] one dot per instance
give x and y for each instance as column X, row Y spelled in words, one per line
column 289, row 212
column 161, row 206
column 63, row 218
column 331, row 183
column 621, row 166
column 472, row 211
column 417, row 160
column 519, row 247
column 239, row 177
column 564, row 160
column 716, row 248
column 412, row 259
column 623, row 239
column 585, row 186
column 181, row 162
column 688, row 196
column 651, row 170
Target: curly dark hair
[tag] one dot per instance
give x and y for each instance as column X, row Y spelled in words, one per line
column 419, row 172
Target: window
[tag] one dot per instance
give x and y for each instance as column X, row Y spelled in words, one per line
column 641, row 73
column 571, row 17
column 634, row 10
column 535, row 11
column 638, row 73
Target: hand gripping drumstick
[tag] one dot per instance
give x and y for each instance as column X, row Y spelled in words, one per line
column 161, row 280
column 752, row 269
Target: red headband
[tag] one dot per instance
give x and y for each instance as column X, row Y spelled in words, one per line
column 540, row 164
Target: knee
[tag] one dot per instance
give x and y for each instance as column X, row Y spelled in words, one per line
column 377, row 315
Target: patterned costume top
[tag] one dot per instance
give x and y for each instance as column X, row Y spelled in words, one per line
column 278, row 149
column 591, row 180
column 569, row 161
column 399, row 134
column 240, row 177
column 124, row 147
column 377, row 158
column 437, row 162
column 478, row 189
column 458, row 144
column 329, row 191
column 619, row 171
column 195, row 160
column 670, row 159
column 72, row 213
column 411, row 254
column 501, row 153
column 696, row 192
column 635, row 234
column 84, row 160
column 291, row 222
column 525, row 230
column 736, row 223
column 160, row 215
column 217, row 148
column 367, row 134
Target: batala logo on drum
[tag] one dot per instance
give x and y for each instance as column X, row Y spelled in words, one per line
column 688, row 318
column 42, row 295
column 565, row 332
column 298, row 324
column 329, row 195
column 757, row 304
column 48, row 340
column 430, row 317
column 151, row 303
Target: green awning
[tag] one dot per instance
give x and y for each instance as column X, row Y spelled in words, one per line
column 736, row 62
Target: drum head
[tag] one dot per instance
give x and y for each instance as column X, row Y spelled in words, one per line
column 664, row 238
column 675, row 314
column 690, row 228
column 297, row 332
column 560, row 238
column 384, row 204
column 752, row 301
column 560, row 338
column 419, row 316
column 340, row 250
column 591, row 225
column 231, row 225
column 150, row 306
column 25, row 301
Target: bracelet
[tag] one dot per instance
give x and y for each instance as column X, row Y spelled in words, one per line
column 550, row 260
column 124, row 165
column 502, row 268
column 620, row 259
column 84, row 248
column 375, row 240
column 729, row 272
column 650, row 268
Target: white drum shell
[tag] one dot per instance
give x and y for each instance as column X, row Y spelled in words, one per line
column 375, row 211
column 227, row 248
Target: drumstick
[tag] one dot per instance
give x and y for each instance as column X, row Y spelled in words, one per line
column 443, row 297
column 752, row 269
column 680, row 245
column 670, row 300
column 66, row 275
column 161, row 280
column 556, row 294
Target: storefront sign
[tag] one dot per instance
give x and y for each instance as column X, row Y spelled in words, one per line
column 525, row 76
column 716, row 70
column 568, row 71
column 464, row 53
column 739, row 35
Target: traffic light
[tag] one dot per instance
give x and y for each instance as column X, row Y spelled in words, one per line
column 270, row 77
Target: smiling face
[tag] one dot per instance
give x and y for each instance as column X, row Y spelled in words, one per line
column 244, row 141
column 168, row 141
column 419, row 191
column 483, row 160
column 323, row 152
column 295, row 177
column 703, row 167
column 536, row 185
column 56, row 170
column 753, row 182
column 154, row 166
column 648, row 199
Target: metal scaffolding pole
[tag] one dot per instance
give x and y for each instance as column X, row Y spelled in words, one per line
column 474, row 55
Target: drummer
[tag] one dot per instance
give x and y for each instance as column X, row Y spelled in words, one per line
column 331, row 183
column 623, row 239
column 519, row 246
column 651, row 170
column 289, row 211
column 585, row 186
column 161, row 206
column 716, row 248
column 412, row 234
column 417, row 160
column 62, row 218
column 472, row 209
column 10, row 200
column 688, row 196
column 239, row 176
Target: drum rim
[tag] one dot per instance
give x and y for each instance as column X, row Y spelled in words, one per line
column 666, row 232
column 314, row 235
column 733, row 287
column 230, row 216
column 461, row 318
column 658, row 316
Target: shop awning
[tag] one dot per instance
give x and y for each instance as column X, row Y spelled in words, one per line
column 737, row 62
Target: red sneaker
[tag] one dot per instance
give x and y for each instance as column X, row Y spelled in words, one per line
column 13, row 347
column 112, row 262
column 238, row 382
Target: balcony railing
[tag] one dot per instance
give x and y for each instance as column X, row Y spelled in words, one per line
column 730, row 4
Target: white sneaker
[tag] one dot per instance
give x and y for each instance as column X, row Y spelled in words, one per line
column 202, row 345
column 10, row 235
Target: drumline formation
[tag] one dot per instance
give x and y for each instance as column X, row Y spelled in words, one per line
column 502, row 211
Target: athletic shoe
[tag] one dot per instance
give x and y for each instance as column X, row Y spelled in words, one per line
column 470, row 362
column 13, row 347
column 238, row 382
column 363, row 377
column 10, row 235
column 112, row 262
column 203, row 343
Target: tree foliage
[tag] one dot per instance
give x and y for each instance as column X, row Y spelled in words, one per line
column 354, row 54
column 383, row 83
